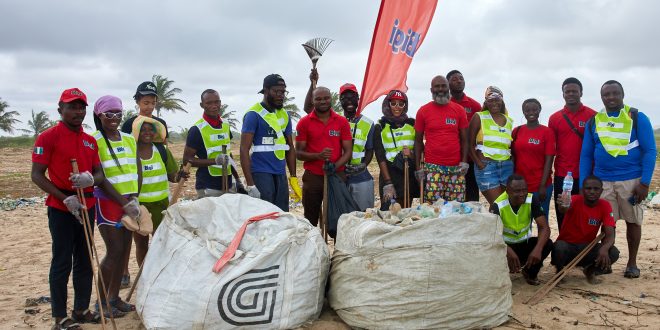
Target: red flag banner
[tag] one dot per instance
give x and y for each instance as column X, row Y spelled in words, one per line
column 400, row 30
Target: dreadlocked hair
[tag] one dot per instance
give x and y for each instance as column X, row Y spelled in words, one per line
column 99, row 127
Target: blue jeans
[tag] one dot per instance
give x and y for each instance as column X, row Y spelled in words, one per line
column 494, row 174
column 274, row 188
column 545, row 203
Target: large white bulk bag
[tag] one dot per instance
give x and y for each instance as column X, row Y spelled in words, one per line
column 440, row 273
column 276, row 279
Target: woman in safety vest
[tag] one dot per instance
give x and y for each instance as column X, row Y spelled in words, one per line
column 156, row 172
column 118, row 155
column 490, row 145
column 394, row 137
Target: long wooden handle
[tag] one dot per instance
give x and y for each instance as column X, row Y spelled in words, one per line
column 324, row 216
column 225, row 181
column 179, row 187
column 421, row 183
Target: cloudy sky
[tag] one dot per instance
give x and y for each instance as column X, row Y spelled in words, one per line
column 526, row 47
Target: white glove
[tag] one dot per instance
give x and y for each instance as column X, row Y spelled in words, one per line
column 253, row 191
column 464, row 167
column 221, row 160
column 74, row 206
column 420, row 175
column 82, row 180
column 132, row 208
column 388, row 192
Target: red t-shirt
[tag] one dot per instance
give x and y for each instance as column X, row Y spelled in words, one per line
column 319, row 136
column 469, row 105
column 440, row 125
column 581, row 222
column 569, row 144
column 530, row 146
column 55, row 147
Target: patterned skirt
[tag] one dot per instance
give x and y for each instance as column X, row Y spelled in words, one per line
column 444, row 182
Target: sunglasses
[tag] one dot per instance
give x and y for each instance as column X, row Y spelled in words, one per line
column 399, row 104
column 112, row 115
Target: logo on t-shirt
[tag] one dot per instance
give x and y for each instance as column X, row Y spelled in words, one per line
column 594, row 222
column 333, row 132
column 38, row 151
column 88, row 144
column 450, row 121
column 581, row 123
column 468, row 110
column 534, row 141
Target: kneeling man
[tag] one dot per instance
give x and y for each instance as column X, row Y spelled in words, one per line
column 516, row 207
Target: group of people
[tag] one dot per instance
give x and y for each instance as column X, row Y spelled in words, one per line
column 453, row 149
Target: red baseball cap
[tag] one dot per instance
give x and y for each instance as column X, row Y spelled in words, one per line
column 347, row 87
column 73, row 94
column 397, row 95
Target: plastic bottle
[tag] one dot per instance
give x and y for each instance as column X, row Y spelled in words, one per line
column 567, row 187
column 446, row 210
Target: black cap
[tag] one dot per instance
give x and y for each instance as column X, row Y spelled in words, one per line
column 271, row 80
column 146, row 88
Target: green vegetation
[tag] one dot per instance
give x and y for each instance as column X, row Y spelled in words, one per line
column 16, row 141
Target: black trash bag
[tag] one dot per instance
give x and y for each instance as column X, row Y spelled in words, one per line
column 340, row 202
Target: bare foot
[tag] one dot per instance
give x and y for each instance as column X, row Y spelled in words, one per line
column 529, row 279
column 590, row 273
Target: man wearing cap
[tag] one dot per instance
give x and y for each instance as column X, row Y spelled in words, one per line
column 267, row 131
column 457, row 90
column 53, row 151
column 444, row 124
column 568, row 125
column 204, row 149
column 619, row 148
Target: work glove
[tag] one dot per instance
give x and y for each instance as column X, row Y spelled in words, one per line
column 464, row 167
column 222, row 160
column 81, row 180
column 252, row 191
column 355, row 168
column 388, row 192
column 296, row 192
column 132, row 208
column 240, row 188
column 329, row 168
column 74, row 206
column 420, row 175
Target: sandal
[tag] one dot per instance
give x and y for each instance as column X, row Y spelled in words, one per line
column 86, row 317
column 116, row 313
column 631, row 272
column 122, row 305
column 66, row 324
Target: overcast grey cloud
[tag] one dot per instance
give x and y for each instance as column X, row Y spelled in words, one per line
column 525, row 47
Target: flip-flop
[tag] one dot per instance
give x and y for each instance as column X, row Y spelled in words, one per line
column 86, row 317
column 631, row 272
column 122, row 305
column 116, row 313
column 66, row 323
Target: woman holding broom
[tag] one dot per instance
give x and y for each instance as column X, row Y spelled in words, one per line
column 118, row 155
column 394, row 137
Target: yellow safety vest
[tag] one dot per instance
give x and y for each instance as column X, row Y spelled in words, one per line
column 395, row 139
column 278, row 121
column 360, row 132
column 614, row 132
column 497, row 139
column 517, row 226
column 124, row 178
column 214, row 139
column 154, row 178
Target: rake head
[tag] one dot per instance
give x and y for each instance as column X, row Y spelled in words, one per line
column 315, row 47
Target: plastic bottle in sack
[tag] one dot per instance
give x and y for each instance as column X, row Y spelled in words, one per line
column 567, row 188
column 446, row 210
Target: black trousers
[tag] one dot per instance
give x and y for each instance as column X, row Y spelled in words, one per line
column 471, row 188
column 69, row 252
column 558, row 189
column 523, row 249
column 563, row 252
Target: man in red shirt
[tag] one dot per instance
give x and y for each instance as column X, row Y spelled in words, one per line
column 323, row 135
column 456, row 88
column 585, row 216
column 53, row 151
column 444, row 125
column 568, row 125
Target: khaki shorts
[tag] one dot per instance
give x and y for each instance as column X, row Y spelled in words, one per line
column 618, row 193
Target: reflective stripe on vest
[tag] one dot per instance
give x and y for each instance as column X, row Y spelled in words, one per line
column 214, row 139
column 614, row 132
column 497, row 139
column 124, row 178
column 517, row 226
column 154, row 178
column 360, row 135
column 278, row 121
column 405, row 136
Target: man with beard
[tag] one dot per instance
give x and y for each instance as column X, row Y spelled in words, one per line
column 267, row 131
column 444, row 124
column 323, row 135
column 568, row 126
column 456, row 88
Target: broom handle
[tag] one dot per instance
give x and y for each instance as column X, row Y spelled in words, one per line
column 314, row 81
column 179, row 187
column 324, row 217
column 225, row 181
column 421, row 184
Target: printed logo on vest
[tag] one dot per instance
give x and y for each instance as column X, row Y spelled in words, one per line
column 594, row 222
column 147, row 168
column 250, row 298
column 610, row 124
column 534, row 141
column 333, row 132
column 501, row 130
column 450, row 121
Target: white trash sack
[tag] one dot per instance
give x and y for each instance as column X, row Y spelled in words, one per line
column 439, row 273
column 276, row 279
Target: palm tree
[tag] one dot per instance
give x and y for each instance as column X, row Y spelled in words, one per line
column 166, row 95
column 334, row 101
column 291, row 108
column 228, row 116
column 7, row 119
column 127, row 114
column 39, row 123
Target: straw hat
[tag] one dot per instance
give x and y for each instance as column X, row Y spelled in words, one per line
column 143, row 225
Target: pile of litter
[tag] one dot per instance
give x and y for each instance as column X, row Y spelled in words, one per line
column 9, row 204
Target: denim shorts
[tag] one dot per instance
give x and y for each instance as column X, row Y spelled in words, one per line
column 494, row 174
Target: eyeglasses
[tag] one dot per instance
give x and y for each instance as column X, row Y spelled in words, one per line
column 112, row 115
column 281, row 92
column 399, row 104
